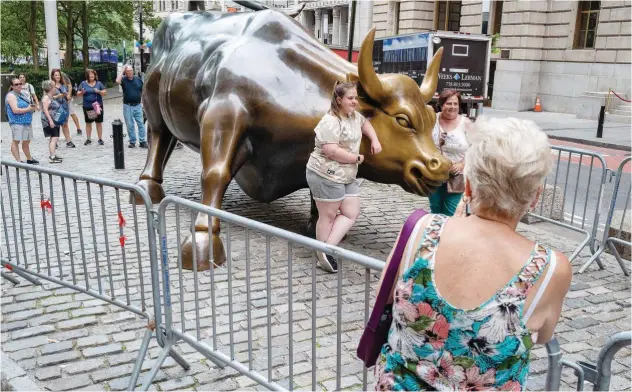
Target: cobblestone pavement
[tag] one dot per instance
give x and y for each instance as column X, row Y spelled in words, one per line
column 71, row 341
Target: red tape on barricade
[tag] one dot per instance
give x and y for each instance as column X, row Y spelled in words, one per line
column 7, row 266
column 122, row 240
column 121, row 219
column 45, row 204
column 621, row 98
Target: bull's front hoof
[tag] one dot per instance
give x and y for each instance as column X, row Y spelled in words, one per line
column 202, row 252
column 153, row 189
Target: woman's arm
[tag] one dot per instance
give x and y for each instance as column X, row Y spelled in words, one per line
column 69, row 91
column 369, row 131
column 13, row 103
column 334, row 152
column 556, row 292
column 45, row 105
column 34, row 95
column 103, row 92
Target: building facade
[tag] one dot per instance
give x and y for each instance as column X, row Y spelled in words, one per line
column 567, row 53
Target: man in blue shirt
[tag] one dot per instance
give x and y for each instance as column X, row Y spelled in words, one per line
column 132, row 109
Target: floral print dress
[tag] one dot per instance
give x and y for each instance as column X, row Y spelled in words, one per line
column 433, row 345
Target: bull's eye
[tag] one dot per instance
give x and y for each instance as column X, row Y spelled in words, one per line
column 403, row 121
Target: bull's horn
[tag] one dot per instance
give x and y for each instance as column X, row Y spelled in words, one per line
column 368, row 78
column 293, row 12
column 429, row 84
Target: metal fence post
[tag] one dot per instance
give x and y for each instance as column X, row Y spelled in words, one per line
column 606, row 355
column 554, row 372
column 602, row 117
column 119, row 151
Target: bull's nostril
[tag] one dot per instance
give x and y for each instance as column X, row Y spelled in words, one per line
column 434, row 164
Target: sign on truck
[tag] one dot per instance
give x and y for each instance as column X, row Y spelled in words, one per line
column 464, row 65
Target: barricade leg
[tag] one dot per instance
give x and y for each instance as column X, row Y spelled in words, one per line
column 606, row 355
column 594, row 258
column 18, row 273
column 10, row 278
column 141, row 356
column 554, row 372
column 166, row 350
column 616, row 254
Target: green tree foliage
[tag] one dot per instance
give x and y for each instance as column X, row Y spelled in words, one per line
column 22, row 29
column 22, row 25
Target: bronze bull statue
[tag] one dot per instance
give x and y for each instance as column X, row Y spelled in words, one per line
column 246, row 90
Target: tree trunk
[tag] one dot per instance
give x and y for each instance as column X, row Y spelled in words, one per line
column 84, row 33
column 70, row 36
column 33, row 35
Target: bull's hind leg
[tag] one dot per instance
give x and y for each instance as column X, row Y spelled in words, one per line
column 161, row 145
column 222, row 125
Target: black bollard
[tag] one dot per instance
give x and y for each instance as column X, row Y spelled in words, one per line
column 602, row 117
column 119, row 152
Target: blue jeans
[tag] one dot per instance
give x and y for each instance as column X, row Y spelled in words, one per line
column 131, row 114
column 442, row 202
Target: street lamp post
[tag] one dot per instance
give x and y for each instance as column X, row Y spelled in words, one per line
column 52, row 35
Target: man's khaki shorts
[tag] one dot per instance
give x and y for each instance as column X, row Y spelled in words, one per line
column 22, row 132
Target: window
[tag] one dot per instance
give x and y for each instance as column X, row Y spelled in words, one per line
column 448, row 15
column 498, row 17
column 587, row 17
column 173, row 6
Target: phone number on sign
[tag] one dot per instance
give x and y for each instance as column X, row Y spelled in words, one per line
column 464, row 85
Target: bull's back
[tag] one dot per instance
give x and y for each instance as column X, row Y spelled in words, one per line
column 283, row 76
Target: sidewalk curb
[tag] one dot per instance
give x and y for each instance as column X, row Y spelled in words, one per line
column 14, row 378
column 592, row 143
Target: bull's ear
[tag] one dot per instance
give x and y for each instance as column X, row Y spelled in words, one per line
column 352, row 78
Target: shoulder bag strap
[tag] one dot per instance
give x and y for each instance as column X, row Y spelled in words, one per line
column 393, row 267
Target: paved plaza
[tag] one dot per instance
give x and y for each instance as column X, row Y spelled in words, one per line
column 67, row 340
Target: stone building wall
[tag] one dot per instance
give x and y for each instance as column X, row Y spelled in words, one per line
column 471, row 16
column 542, row 61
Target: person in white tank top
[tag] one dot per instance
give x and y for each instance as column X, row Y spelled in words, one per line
column 450, row 137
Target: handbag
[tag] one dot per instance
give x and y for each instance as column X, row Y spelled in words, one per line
column 61, row 115
column 456, row 183
column 376, row 331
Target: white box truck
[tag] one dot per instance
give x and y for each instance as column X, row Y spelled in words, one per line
column 464, row 65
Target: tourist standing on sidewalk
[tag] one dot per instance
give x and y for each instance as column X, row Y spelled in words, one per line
column 92, row 91
column 132, row 109
column 333, row 165
column 50, row 106
column 20, row 115
column 449, row 135
column 456, row 326
column 71, row 105
column 28, row 90
column 63, row 95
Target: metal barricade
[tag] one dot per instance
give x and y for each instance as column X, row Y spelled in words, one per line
column 267, row 312
column 598, row 374
column 611, row 235
column 74, row 231
column 575, row 207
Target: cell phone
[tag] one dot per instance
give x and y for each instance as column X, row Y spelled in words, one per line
column 467, row 210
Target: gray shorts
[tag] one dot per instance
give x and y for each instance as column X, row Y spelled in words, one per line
column 22, row 132
column 327, row 190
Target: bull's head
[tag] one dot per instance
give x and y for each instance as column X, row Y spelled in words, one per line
column 403, row 121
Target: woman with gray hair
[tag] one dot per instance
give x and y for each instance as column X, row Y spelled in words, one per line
column 456, row 326
column 50, row 106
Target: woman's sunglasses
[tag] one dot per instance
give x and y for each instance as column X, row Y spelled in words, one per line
column 17, row 84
